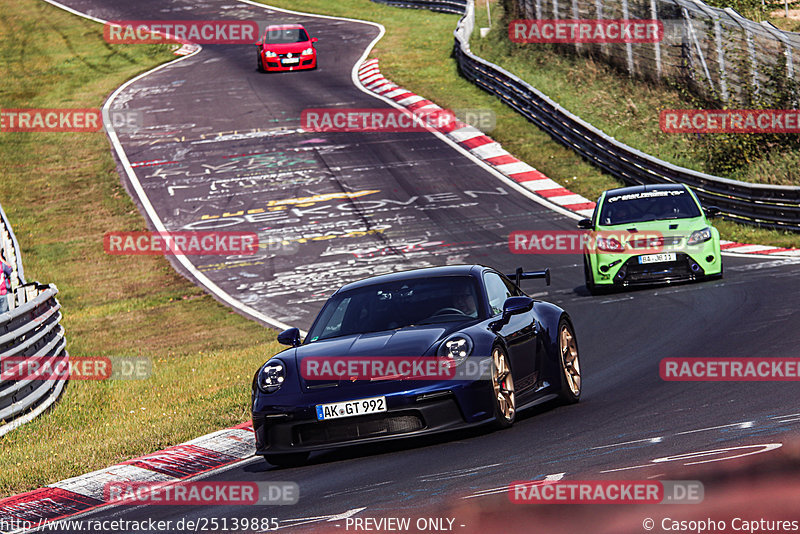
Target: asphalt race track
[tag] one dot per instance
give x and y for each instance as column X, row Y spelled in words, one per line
column 222, row 140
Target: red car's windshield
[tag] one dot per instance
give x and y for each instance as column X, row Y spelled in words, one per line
column 285, row 36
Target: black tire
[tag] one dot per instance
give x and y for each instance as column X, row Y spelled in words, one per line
column 505, row 405
column 569, row 363
column 587, row 276
column 721, row 270
column 260, row 64
column 292, row 459
column 594, row 289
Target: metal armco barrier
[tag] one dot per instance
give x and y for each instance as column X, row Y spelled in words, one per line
column 770, row 206
column 31, row 329
column 456, row 7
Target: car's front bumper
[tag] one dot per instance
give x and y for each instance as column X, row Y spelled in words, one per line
column 410, row 412
column 626, row 270
column 275, row 64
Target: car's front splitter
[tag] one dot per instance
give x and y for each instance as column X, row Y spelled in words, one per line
column 410, row 413
column 275, row 66
column 292, row 435
column 628, row 271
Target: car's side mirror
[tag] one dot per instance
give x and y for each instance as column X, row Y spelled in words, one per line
column 585, row 224
column 711, row 211
column 289, row 337
column 314, row 39
column 517, row 305
column 259, row 43
column 512, row 306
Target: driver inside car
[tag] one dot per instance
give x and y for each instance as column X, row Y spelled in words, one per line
column 464, row 301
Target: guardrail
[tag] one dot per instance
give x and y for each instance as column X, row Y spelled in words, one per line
column 456, row 7
column 30, row 330
column 770, row 206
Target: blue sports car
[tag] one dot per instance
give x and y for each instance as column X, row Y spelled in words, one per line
column 412, row 353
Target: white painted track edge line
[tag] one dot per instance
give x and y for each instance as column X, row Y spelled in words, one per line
column 569, row 213
column 481, row 163
column 146, row 204
column 157, row 221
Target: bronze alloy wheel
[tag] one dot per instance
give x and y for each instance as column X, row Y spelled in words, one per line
column 570, row 364
column 503, row 385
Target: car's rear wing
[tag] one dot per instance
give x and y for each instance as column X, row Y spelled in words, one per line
column 521, row 275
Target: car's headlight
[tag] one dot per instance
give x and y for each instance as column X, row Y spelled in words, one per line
column 700, row 236
column 271, row 376
column 457, row 347
column 269, row 53
column 307, row 51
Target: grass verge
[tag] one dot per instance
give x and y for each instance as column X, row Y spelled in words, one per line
column 62, row 193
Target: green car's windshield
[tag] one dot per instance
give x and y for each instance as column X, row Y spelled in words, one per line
column 648, row 206
column 394, row 305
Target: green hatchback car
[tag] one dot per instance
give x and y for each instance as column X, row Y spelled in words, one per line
column 649, row 234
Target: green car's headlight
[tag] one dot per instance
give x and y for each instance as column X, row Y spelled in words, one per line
column 457, row 347
column 609, row 244
column 700, row 236
column 271, row 376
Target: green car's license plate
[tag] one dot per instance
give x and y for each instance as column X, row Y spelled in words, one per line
column 657, row 258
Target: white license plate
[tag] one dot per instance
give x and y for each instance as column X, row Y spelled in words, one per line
column 292, row 61
column 352, row 408
column 657, row 258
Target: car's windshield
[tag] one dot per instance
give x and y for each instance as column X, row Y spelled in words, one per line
column 396, row 305
column 648, row 206
column 285, row 36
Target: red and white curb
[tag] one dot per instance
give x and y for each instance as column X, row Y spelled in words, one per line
column 187, row 49
column 86, row 492
column 477, row 143
column 741, row 248
column 225, row 447
column 488, row 150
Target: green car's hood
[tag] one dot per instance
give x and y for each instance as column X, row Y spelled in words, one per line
column 665, row 226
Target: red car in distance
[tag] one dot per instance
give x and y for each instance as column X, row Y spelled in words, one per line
column 286, row 47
